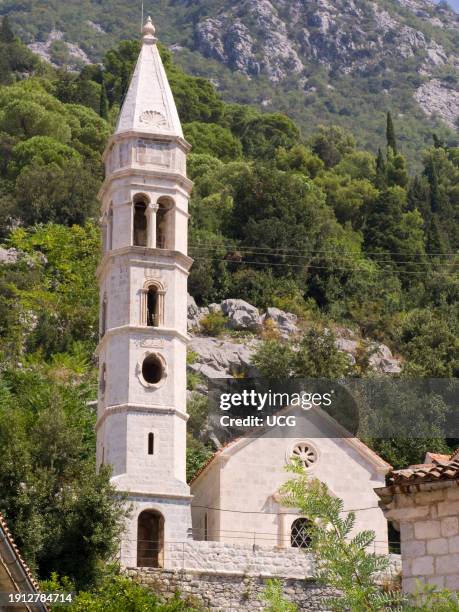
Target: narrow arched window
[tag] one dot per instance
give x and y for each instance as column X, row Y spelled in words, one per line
column 140, row 222
column 103, row 317
column 103, row 379
column 110, row 229
column 151, row 443
column 300, row 535
column 152, row 307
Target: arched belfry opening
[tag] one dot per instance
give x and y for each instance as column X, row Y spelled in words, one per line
column 164, row 231
column 140, row 220
column 150, row 539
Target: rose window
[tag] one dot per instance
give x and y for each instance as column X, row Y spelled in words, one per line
column 305, row 454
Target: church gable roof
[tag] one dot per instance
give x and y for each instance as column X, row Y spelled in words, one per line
column 362, row 449
column 149, row 105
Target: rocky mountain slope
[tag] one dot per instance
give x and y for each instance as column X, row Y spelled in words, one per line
column 231, row 355
column 345, row 61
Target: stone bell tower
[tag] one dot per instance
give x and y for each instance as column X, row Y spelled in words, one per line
column 141, row 426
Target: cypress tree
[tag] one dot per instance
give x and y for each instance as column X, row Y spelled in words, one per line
column 381, row 178
column 438, row 142
column 103, row 104
column 436, row 242
column 6, row 33
column 432, row 176
column 390, row 134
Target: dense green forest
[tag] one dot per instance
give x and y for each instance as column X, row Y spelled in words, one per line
column 346, row 78
column 314, row 226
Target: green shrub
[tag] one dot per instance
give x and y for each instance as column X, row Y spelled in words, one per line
column 213, row 324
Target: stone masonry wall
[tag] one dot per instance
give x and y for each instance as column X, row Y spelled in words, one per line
column 429, row 535
column 228, row 592
column 242, row 558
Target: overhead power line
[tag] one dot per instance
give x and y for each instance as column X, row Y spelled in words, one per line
column 281, row 249
column 274, row 253
column 313, row 266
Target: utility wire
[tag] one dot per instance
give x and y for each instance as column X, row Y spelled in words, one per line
column 307, row 265
column 243, row 247
column 275, row 253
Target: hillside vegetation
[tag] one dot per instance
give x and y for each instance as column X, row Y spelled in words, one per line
column 316, row 226
column 341, row 62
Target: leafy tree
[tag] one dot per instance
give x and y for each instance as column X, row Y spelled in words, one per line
column 430, row 342
column 48, row 299
column 41, row 151
column 261, row 135
column 331, row 144
column 315, row 356
column 212, row 139
column 342, row 560
column 277, row 213
column 118, row 66
column 65, row 517
column 299, row 159
column 26, row 118
column 62, row 194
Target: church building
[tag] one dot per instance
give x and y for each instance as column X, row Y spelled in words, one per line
column 141, row 424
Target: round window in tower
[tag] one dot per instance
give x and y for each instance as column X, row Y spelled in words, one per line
column 153, row 369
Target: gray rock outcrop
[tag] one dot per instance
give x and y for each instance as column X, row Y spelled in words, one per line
column 285, row 322
column 241, row 315
column 222, row 358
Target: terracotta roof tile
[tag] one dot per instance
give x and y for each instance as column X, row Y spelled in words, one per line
column 9, row 537
column 428, row 472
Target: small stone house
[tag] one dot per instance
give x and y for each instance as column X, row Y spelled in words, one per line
column 423, row 502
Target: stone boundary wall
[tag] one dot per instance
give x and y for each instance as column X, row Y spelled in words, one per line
column 227, row 591
column 247, row 559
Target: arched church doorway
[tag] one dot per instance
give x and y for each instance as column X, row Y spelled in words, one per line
column 150, row 539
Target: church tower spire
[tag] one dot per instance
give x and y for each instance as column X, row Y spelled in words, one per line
column 141, row 425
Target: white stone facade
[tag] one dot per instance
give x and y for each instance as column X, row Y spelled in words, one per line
column 236, row 497
column 141, row 426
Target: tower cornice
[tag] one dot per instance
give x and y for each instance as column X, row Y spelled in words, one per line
column 157, row 137
column 140, row 408
column 130, row 171
column 177, row 259
column 149, row 332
